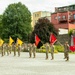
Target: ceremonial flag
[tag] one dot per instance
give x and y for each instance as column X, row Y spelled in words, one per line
column 19, row 42
column 53, row 39
column 10, row 41
column 1, row 42
column 72, row 47
column 37, row 40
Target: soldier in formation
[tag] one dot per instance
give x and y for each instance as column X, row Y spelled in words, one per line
column 47, row 49
column 66, row 51
column 14, row 48
column 52, row 51
column 30, row 50
column 34, row 50
column 19, row 49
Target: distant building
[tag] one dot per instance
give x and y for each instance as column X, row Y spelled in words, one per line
column 39, row 14
column 64, row 17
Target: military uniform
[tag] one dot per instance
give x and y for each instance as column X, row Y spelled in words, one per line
column 2, row 48
column 19, row 49
column 7, row 48
column 14, row 49
column 10, row 49
column 66, row 51
column 52, row 52
column 30, row 50
column 47, row 50
column 34, row 50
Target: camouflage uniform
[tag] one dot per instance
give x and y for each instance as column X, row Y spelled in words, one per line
column 52, row 52
column 34, row 50
column 47, row 50
column 19, row 49
column 14, row 48
column 2, row 48
column 30, row 50
column 66, row 51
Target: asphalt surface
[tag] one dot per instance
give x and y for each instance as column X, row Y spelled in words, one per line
column 23, row 65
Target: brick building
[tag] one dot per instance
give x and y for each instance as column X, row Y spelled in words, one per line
column 64, row 17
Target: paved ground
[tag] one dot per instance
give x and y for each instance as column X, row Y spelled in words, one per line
column 23, row 65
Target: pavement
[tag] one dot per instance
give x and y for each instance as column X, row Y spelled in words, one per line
column 23, row 65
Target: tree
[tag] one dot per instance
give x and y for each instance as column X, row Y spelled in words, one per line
column 16, row 21
column 1, row 25
column 43, row 28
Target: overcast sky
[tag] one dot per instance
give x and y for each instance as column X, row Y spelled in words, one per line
column 37, row 5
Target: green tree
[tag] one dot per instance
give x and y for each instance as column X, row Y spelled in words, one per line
column 43, row 28
column 16, row 21
column 1, row 25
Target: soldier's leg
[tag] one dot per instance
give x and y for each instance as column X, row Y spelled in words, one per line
column 7, row 52
column 30, row 53
column 64, row 55
column 18, row 53
column 67, row 54
column 34, row 54
column 2, row 53
column 52, row 55
column 14, row 52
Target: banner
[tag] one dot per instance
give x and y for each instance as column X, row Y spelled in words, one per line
column 53, row 39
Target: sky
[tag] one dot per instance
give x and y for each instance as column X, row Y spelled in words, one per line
column 37, row 5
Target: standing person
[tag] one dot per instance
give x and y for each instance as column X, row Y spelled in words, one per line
column 47, row 50
column 34, row 50
column 19, row 49
column 30, row 50
column 10, row 49
column 14, row 48
column 52, row 51
column 2, row 48
column 7, row 48
column 66, row 50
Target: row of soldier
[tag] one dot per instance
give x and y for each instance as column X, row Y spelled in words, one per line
column 32, row 49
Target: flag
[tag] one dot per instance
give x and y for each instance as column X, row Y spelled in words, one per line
column 72, row 47
column 53, row 39
column 37, row 40
column 1, row 42
column 10, row 41
column 19, row 42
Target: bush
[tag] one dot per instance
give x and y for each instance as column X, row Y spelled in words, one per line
column 59, row 48
column 44, row 51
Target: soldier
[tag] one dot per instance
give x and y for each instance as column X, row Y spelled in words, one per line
column 52, row 51
column 2, row 49
column 7, row 48
column 10, row 49
column 14, row 48
column 19, row 49
column 47, row 50
column 30, row 50
column 66, row 51
column 34, row 50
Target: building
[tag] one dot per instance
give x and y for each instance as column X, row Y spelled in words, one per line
column 64, row 17
column 39, row 14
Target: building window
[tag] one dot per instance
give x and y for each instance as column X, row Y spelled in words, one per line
column 74, row 16
column 35, row 15
column 58, row 17
column 64, row 17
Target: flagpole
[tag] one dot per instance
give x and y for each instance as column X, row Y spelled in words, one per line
column 59, row 43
